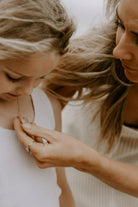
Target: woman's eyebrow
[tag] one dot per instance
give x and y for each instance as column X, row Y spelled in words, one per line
column 118, row 14
column 135, row 33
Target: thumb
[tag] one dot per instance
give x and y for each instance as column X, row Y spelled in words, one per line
column 37, row 131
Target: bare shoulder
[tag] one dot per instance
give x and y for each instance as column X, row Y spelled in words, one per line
column 57, row 110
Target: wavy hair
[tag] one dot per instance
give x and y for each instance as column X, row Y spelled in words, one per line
column 89, row 64
column 28, row 26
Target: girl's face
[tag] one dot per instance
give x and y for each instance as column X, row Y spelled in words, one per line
column 127, row 38
column 19, row 77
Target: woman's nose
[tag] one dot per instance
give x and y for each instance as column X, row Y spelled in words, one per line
column 123, row 49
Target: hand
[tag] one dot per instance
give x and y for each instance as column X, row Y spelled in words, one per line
column 61, row 150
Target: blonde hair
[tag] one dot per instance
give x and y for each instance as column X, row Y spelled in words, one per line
column 89, row 64
column 28, row 26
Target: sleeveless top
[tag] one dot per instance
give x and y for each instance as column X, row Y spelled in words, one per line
column 88, row 191
column 22, row 183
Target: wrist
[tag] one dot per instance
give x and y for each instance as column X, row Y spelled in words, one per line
column 88, row 160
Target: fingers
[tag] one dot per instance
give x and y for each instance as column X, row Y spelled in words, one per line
column 20, row 133
column 38, row 131
column 42, row 153
column 40, row 140
column 32, row 144
column 23, row 119
column 22, row 136
column 44, row 165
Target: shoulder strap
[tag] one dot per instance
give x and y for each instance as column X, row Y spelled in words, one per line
column 44, row 115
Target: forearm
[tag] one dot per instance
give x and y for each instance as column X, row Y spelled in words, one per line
column 121, row 176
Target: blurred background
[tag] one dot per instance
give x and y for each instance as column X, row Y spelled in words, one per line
column 84, row 12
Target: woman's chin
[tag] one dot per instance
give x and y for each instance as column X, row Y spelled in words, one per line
column 131, row 76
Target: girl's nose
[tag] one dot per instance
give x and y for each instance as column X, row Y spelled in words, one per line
column 27, row 87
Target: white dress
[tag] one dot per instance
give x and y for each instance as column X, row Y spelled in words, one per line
column 22, row 183
column 88, row 191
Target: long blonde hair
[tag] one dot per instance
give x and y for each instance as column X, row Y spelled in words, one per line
column 90, row 64
column 28, row 26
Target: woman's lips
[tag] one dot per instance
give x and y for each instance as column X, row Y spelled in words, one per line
column 128, row 68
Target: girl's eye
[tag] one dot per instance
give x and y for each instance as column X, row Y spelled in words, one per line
column 119, row 24
column 13, row 79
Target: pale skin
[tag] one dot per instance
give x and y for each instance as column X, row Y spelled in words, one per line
column 65, row 150
column 18, row 78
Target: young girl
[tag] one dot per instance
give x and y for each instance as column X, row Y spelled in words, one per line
column 33, row 36
column 105, row 63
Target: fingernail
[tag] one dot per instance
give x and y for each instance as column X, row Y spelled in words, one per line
column 22, row 119
column 44, row 141
column 26, row 125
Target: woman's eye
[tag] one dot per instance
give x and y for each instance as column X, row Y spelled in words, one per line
column 43, row 77
column 136, row 40
column 119, row 24
column 12, row 79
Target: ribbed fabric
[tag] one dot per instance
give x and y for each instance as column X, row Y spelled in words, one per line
column 88, row 191
column 22, row 183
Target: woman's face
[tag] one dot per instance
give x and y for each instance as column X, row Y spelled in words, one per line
column 127, row 38
column 19, row 77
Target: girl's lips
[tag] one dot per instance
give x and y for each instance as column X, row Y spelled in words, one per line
column 128, row 68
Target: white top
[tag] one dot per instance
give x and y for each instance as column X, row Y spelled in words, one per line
column 22, row 183
column 89, row 191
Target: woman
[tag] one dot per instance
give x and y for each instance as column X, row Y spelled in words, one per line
column 111, row 88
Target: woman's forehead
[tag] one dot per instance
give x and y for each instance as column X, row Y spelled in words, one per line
column 130, row 7
column 128, row 12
